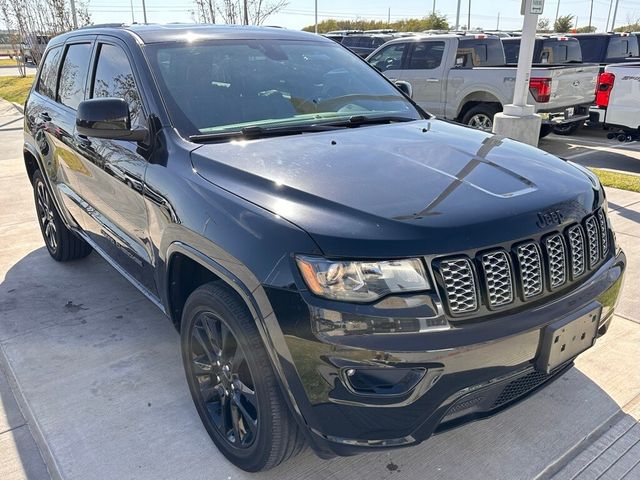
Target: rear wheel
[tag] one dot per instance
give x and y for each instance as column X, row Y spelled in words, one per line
column 567, row 128
column 545, row 129
column 481, row 116
column 232, row 382
column 63, row 245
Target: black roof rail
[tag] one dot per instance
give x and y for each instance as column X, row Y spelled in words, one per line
column 104, row 25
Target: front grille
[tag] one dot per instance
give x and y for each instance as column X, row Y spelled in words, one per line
column 530, row 269
column 507, row 276
column 460, row 285
column 497, row 271
column 557, row 260
column 602, row 223
column 576, row 245
column 593, row 241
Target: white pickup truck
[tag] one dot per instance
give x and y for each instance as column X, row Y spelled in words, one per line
column 465, row 78
column 618, row 100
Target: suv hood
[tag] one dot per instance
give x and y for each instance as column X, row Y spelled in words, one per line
column 425, row 186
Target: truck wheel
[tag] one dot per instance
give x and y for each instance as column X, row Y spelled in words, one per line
column 232, row 383
column 567, row 128
column 481, row 117
column 545, row 129
column 63, row 245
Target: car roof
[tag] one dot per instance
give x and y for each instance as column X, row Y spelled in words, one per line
column 177, row 32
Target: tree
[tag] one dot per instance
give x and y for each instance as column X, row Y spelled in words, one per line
column 586, row 29
column 563, row 24
column 544, row 25
column 35, row 21
column 233, row 11
column 434, row 21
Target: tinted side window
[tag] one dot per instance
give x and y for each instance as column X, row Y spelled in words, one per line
column 114, row 78
column 426, row 56
column 73, row 76
column 49, row 73
column 389, row 58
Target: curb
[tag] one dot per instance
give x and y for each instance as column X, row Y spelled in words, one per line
column 18, row 107
column 32, row 423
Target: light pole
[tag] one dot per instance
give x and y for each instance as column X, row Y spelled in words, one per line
column 613, row 20
column 557, row 13
column 458, row 15
column 133, row 17
column 606, row 28
column 519, row 120
column 316, row 16
column 590, row 14
column 469, row 17
column 73, row 14
column 433, row 11
column 144, row 11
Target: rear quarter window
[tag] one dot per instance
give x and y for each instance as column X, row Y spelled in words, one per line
column 49, row 73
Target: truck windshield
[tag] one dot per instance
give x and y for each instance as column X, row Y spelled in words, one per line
column 231, row 85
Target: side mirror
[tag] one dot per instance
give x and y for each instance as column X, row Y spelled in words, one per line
column 107, row 118
column 404, row 87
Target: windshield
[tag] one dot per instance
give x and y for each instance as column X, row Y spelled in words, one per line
column 221, row 86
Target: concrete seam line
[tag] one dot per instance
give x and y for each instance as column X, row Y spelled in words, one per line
column 581, row 445
column 18, row 107
column 34, row 427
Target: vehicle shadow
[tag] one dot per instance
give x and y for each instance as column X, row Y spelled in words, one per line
column 100, row 369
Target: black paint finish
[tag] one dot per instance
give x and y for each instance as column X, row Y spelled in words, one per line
column 242, row 209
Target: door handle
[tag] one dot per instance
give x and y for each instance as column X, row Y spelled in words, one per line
column 44, row 116
column 432, row 80
column 82, row 141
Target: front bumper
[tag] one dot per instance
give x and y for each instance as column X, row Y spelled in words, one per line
column 467, row 369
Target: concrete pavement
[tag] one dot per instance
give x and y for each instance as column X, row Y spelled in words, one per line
column 98, row 379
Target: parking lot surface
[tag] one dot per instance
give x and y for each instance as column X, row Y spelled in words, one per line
column 100, row 393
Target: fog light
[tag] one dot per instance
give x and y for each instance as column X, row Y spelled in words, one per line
column 382, row 381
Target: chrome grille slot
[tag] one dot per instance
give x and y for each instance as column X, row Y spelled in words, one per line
column 593, row 241
column 497, row 273
column 557, row 260
column 530, row 269
column 513, row 274
column 460, row 285
column 576, row 246
column 604, row 237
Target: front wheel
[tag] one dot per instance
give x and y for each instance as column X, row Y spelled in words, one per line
column 232, row 383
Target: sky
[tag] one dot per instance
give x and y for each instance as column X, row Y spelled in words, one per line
column 300, row 13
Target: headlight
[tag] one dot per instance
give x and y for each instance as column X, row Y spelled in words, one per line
column 362, row 281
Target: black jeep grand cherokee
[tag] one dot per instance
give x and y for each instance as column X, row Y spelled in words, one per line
column 346, row 271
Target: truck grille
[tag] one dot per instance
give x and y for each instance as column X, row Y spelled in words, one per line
column 501, row 277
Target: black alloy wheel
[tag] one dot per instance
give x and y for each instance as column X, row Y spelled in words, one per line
column 219, row 368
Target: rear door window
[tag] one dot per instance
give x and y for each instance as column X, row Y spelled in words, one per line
column 49, row 73
column 114, row 78
column 73, row 76
column 426, row 56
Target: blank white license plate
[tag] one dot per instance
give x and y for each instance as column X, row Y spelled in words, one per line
column 569, row 112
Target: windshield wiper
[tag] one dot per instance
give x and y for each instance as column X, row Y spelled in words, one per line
column 256, row 131
column 357, row 120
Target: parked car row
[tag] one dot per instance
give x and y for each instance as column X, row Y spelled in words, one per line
column 468, row 78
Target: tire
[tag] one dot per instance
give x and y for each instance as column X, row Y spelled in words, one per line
column 545, row 130
column 63, row 245
column 481, row 116
column 567, row 128
column 232, row 383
